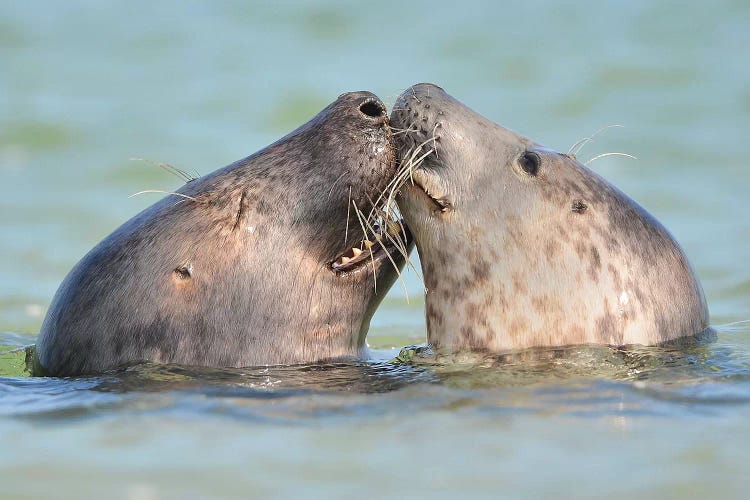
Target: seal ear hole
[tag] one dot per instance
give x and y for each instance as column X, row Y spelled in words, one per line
column 182, row 273
column 372, row 109
column 529, row 163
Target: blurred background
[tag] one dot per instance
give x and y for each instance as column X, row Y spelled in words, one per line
column 86, row 85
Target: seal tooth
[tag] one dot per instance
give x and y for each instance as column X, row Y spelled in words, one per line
column 345, row 260
column 368, row 244
column 356, row 251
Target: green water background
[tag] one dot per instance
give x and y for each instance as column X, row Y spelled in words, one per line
column 85, row 86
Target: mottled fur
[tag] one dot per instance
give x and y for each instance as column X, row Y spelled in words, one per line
column 560, row 257
column 239, row 274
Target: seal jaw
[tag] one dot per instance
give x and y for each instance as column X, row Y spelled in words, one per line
column 390, row 243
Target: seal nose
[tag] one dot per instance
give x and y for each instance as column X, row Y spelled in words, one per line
column 373, row 109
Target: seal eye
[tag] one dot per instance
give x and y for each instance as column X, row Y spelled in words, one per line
column 372, row 109
column 530, row 162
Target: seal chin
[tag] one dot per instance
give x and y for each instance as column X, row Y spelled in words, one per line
column 391, row 241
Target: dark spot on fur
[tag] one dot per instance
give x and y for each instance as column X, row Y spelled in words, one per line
column 579, row 206
column 551, row 249
column 538, row 303
column 519, row 284
column 470, row 338
column 184, row 272
column 581, row 249
column 615, row 275
column 607, row 329
column 477, row 314
column 518, row 328
column 433, row 315
column 595, row 264
column 479, row 270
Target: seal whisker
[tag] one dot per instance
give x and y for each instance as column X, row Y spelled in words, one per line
column 334, row 184
column 163, row 192
column 435, row 139
column 382, row 244
column 576, row 148
column 372, row 257
column 348, row 206
column 609, row 154
column 394, row 217
column 401, row 247
column 391, row 188
column 409, row 130
column 169, row 168
column 386, row 218
column 414, row 95
column 393, row 182
column 408, row 169
column 737, row 326
column 404, row 172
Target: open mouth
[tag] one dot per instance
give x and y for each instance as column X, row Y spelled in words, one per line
column 391, row 240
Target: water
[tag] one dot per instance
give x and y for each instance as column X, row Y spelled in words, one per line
column 85, row 86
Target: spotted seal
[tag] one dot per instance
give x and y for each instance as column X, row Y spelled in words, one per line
column 522, row 246
column 260, row 262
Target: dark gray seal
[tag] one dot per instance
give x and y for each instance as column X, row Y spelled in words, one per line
column 261, row 262
column 522, row 246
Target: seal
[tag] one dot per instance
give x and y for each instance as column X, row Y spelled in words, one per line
column 270, row 260
column 522, row 246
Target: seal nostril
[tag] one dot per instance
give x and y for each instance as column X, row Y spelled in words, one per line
column 373, row 109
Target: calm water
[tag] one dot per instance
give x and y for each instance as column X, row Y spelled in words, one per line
column 85, row 87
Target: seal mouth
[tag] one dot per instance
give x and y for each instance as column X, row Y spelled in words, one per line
column 390, row 243
column 440, row 203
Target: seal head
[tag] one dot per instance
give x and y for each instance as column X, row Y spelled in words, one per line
column 522, row 246
column 261, row 262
